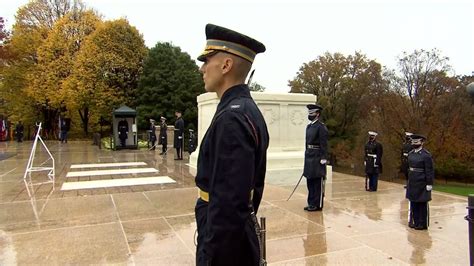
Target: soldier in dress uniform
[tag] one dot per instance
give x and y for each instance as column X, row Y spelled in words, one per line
column 163, row 136
column 315, row 158
column 373, row 161
column 179, row 135
column 123, row 132
column 406, row 148
column 232, row 157
column 420, row 183
column 152, row 134
column 19, row 131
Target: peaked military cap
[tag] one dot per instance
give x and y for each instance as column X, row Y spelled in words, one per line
column 220, row 39
column 313, row 108
column 373, row 133
column 418, row 137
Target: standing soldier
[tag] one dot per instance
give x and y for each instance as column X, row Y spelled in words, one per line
column 315, row 158
column 232, row 157
column 123, row 132
column 19, row 131
column 179, row 135
column 420, row 183
column 152, row 134
column 406, row 148
column 373, row 161
column 163, row 136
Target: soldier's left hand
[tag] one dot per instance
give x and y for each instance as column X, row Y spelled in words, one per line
column 323, row 161
column 429, row 187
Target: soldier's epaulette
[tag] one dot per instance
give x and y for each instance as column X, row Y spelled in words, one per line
column 412, row 151
column 426, row 151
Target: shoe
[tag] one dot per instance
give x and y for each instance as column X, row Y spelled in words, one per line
column 411, row 225
column 161, row 153
column 421, row 227
column 310, row 208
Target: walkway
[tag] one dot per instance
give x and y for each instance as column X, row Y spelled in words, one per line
column 112, row 221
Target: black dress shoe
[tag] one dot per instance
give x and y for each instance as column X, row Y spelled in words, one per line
column 312, row 208
column 421, row 227
column 411, row 225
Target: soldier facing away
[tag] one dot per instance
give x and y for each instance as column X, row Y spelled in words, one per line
column 315, row 158
column 232, row 157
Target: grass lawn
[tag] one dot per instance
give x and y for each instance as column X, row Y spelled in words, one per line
column 455, row 189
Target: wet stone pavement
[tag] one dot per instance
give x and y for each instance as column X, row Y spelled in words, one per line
column 117, row 221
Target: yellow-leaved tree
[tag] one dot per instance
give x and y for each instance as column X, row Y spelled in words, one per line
column 56, row 57
column 33, row 23
column 106, row 71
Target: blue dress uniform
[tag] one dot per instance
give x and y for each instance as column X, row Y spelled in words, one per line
column 231, row 168
column 152, row 134
column 163, row 136
column 179, row 137
column 314, row 170
column 373, row 161
column 406, row 148
column 123, row 132
column 420, row 182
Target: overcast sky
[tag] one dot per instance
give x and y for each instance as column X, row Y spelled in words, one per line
column 296, row 32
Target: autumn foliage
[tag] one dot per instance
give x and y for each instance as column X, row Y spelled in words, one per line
column 420, row 97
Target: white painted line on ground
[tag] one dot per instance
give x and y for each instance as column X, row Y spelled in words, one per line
column 8, row 172
column 117, row 182
column 112, row 172
column 97, row 165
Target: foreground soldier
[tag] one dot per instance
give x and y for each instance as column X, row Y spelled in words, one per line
column 315, row 158
column 232, row 157
column 420, row 183
column 373, row 161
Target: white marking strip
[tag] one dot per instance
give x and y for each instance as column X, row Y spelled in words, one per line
column 97, row 165
column 117, row 182
column 112, row 172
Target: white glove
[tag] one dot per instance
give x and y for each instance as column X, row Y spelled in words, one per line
column 429, row 187
column 365, row 163
column 179, row 137
column 323, row 161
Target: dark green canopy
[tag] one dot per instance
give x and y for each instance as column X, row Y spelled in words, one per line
column 125, row 111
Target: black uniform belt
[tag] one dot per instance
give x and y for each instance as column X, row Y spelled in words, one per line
column 418, row 170
column 313, row 147
column 205, row 195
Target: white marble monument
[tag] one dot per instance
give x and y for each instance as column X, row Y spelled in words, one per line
column 286, row 118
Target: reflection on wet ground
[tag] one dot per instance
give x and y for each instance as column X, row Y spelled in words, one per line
column 154, row 223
